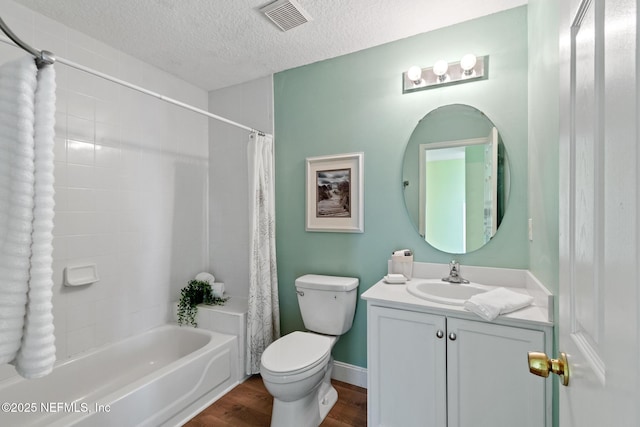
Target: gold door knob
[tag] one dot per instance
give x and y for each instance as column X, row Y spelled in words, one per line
column 541, row 365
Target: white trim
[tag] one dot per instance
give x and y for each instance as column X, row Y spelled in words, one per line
column 350, row 374
column 454, row 143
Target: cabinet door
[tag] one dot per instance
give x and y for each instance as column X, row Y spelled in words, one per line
column 489, row 384
column 407, row 368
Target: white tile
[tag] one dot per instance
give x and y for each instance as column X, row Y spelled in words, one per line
column 107, row 223
column 60, row 198
column 130, row 158
column 107, row 157
column 60, row 149
column 61, row 345
column 82, row 245
column 79, row 81
column 80, row 340
column 81, row 199
column 78, row 295
column 59, row 247
column 109, row 271
column 58, row 268
column 110, row 306
column 81, row 223
column 80, row 152
column 80, row 316
column 60, row 127
column 106, row 111
column 80, row 105
column 80, row 176
column 61, row 98
column 106, row 179
column 148, row 318
column 105, row 331
column 117, row 327
column 128, row 221
column 80, row 129
column 129, row 241
column 129, row 200
column 107, row 200
column 62, row 79
column 79, row 51
column 107, row 134
column 105, row 90
column 62, row 222
column 60, row 173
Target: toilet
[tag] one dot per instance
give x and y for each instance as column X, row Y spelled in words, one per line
column 296, row 369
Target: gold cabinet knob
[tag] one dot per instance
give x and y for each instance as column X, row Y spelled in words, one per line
column 540, row 364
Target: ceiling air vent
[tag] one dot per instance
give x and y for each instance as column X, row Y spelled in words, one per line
column 286, row 14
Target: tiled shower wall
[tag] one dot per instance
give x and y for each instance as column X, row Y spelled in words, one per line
column 131, row 186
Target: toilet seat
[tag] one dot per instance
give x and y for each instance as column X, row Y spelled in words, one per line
column 296, row 353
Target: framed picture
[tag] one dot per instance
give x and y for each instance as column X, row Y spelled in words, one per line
column 335, row 191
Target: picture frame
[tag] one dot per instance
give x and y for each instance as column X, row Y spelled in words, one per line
column 335, row 193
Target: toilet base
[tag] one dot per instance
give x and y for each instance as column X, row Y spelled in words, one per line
column 310, row 410
column 326, row 400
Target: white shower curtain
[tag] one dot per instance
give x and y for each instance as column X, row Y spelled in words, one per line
column 27, row 119
column 263, row 318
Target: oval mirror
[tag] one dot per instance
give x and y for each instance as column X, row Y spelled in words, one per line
column 456, row 178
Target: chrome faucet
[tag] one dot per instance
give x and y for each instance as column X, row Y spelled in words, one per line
column 454, row 273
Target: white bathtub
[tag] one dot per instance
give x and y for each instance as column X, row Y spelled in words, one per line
column 158, row 378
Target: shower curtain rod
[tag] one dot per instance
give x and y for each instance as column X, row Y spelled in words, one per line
column 47, row 58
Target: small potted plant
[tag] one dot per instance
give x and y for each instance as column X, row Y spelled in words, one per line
column 196, row 292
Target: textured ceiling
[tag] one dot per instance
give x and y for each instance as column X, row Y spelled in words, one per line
column 219, row 43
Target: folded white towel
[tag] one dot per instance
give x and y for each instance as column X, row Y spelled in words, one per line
column 217, row 289
column 205, row 277
column 490, row 305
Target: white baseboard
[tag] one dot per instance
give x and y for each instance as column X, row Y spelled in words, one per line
column 350, row 374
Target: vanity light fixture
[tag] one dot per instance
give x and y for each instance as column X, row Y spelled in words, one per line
column 469, row 68
column 467, row 63
column 415, row 74
column 440, row 70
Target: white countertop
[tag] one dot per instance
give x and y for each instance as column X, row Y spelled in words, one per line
column 397, row 296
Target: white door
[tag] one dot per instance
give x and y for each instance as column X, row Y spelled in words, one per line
column 599, row 204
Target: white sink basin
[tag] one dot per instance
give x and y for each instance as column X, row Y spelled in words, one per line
column 437, row 290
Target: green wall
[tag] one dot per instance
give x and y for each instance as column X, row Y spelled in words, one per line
column 445, row 187
column 355, row 103
column 543, row 140
column 544, row 169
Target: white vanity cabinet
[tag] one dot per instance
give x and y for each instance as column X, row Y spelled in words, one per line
column 438, row 370
column 406, row 362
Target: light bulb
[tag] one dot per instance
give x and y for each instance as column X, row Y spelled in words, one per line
column 440, row 69
column 467, row 63
column 414, row 74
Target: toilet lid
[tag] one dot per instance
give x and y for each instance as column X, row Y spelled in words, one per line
column 296, row 351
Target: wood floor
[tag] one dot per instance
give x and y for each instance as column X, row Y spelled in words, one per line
column 249, row 404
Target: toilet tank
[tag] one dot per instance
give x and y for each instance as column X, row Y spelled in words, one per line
column 327, row 303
